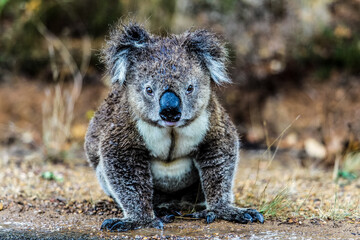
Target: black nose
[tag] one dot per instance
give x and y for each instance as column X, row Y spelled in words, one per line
column 170, row 110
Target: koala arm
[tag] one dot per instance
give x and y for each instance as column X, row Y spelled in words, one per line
column 126, row 173
column 216, row 168
column 216, row 162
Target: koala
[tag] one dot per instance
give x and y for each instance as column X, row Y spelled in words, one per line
column 161, row 140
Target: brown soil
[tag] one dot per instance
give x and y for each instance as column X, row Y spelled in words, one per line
column 75, row 206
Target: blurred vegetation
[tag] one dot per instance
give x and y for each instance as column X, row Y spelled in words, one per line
column 337, row 49
column 273, row 45
column 23, row 48
column 263, row 34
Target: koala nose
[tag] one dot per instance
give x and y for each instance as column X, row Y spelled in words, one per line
column 170, row 110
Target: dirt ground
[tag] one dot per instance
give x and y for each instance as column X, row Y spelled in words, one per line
column 71, row 205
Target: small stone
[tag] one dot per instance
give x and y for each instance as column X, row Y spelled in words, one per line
column 314, row 148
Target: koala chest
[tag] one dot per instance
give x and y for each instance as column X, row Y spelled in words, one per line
column 171, row 166
column 175, row 175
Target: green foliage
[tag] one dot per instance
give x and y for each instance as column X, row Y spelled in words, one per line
column 69, row 17
column 351, row 167
column 25, row 50
column 329, row 51
column 2, row 4
column 52, row 176
column 157, row 13
column 227, row 5
column 347, row 175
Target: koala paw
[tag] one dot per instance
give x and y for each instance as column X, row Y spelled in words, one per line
column 230, row 213
column 123, row 225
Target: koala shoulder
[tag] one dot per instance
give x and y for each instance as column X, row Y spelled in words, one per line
column 221, row 126
column 108, row 110
column 113, row 123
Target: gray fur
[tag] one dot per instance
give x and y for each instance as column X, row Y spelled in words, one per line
column 140, row 160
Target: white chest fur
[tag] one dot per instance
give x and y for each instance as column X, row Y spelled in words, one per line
column 173, row 169
column 158, row 140
column 175, row 175
column 189, row 137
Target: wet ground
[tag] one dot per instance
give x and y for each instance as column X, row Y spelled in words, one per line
column 75, row 226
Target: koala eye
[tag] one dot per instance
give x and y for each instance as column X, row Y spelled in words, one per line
column 149, row 91
column 190, row 89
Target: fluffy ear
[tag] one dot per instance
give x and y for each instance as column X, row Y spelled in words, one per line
column 123, row 40
column 211, row 52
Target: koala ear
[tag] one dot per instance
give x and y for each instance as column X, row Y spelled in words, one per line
column 211, row 52
column 123, row 40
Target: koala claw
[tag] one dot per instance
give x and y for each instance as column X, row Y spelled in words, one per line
column 254, row 215
column 123, row 225
column 230, row 214
column 248, row 215
column 210, row 217
column 115, row 224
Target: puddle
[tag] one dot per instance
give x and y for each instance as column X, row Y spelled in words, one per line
column 78, row 226
column 18, row 230
column 36, row 235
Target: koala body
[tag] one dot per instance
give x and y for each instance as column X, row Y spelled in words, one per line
column 161, row 140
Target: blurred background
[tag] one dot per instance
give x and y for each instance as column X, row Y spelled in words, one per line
column 295, row 67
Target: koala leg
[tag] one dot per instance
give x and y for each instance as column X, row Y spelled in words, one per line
column 127, row 178
column 216, row 169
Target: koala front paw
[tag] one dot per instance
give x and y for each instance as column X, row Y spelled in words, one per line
column 123, row 225
column 245, row 215
column 230, row 213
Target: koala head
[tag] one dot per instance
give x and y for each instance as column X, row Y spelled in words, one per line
column 167, row 79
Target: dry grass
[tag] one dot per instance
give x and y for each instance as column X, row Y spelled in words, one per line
column 58, row 107
column 25, row 180
column 273, row 207
column 286, row 190
column 282, row 188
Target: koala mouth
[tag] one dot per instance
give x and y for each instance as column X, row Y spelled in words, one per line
column 170, row 124
column 179, row 124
